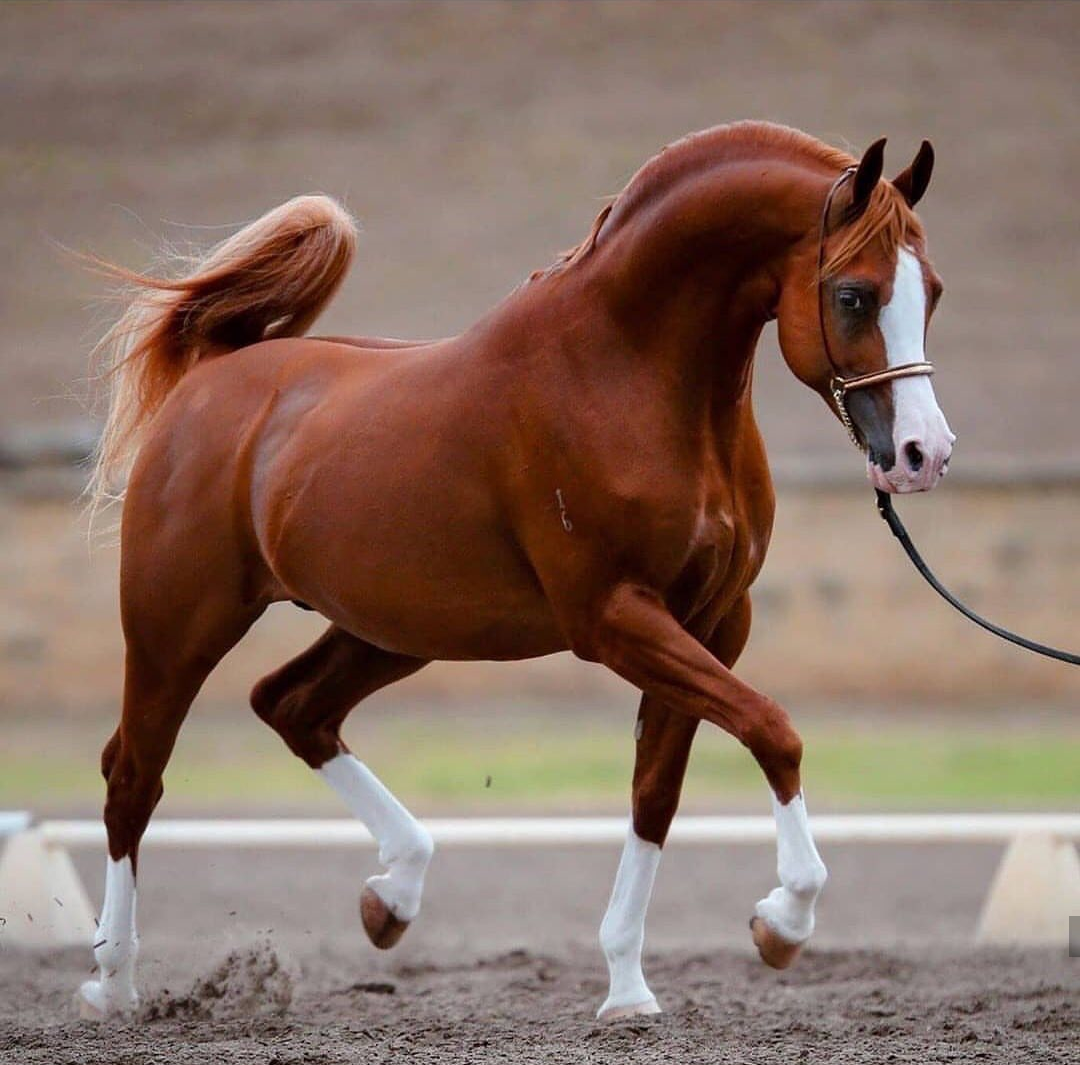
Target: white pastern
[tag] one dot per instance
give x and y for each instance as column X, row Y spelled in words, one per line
column 917, row 416
column 789, row 909
column 622, row 932
column 405, row 846
column 116, row 945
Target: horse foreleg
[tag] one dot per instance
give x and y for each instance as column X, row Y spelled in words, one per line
column 306, row 702
column 663, row 746
column 664, row 737
column 635, row 635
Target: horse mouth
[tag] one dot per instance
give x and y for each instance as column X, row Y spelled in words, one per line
column 898, row 481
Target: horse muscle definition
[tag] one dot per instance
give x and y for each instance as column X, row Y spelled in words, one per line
column 579, row 470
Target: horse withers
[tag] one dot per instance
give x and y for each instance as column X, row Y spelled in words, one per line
column 579, row 470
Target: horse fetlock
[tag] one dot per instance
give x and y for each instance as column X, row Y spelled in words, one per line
column 401, row 890
column 620, row 940
column 411, row 853
column 789, row 915
column 97, row 999
column 807, row 882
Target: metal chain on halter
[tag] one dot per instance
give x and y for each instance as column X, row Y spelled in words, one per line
column 839, row 385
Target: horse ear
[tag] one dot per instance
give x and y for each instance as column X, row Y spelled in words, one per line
column 912, row 182
column 867, row 175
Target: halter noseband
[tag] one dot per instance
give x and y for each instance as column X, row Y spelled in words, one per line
column 839, row 385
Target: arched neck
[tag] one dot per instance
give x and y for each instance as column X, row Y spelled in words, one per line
column 690, row 271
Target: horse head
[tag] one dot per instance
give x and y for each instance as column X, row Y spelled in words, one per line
column 853, row 319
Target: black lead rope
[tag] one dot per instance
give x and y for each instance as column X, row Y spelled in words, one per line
column 892, row 519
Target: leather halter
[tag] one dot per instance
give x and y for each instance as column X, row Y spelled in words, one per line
column 839, row 385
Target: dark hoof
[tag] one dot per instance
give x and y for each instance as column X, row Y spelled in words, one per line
column 775, row 952
column 382, row 927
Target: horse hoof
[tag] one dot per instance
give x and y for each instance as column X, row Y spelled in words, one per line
column 92, row 1005
column 774, row 950
column 638, row 1009
column 382, row 927
column 86, row 1006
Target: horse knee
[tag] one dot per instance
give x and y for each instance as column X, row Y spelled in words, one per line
column 778, row 749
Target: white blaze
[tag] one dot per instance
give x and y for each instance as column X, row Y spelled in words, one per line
column 917, row 416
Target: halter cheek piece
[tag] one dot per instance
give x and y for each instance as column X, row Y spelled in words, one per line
column 839, row 385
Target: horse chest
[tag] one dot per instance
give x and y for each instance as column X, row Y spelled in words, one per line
column 723, row 557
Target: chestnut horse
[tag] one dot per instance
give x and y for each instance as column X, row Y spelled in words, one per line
column 579, row 470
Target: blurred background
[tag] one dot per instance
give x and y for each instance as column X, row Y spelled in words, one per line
column 474, row 141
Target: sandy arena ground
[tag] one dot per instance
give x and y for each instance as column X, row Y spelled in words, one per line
column 259, row 957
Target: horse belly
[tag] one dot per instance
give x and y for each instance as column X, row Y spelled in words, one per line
column 402, row 545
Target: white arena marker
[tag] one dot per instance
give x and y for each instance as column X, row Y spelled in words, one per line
column 1035, row 891
column 42, row 900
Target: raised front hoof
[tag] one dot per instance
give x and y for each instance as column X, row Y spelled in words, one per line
column 774, row 950
column 621, row 1013
column 92, row 1003
column 382, row 927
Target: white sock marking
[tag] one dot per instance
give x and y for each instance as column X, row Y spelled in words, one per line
column 116, row 943
column 622, row 932
column 789, row 909
column 405, row 846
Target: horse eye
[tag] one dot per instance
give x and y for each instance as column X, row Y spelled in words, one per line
column 850, row 300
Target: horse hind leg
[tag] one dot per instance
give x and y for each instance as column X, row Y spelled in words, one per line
column 166, row 665
column 305, row 702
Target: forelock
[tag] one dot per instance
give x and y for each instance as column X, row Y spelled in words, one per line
column 887, row 218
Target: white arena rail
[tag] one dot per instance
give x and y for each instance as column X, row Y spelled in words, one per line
column 1035, row 890
column 522, row 831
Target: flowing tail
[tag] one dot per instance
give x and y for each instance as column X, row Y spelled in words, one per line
column 270, row 279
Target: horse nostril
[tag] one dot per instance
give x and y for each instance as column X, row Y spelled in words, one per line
column 914, row 456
